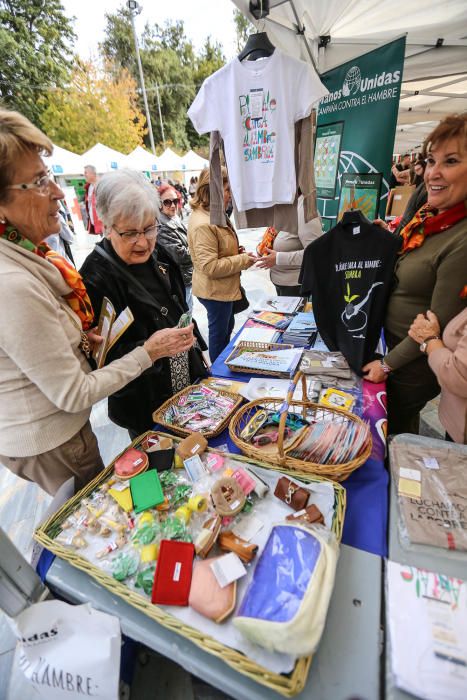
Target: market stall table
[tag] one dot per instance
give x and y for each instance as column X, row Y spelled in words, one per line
column 365, row 525
column 450, row 563
column 347, row 663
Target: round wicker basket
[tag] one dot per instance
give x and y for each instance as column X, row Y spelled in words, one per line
column 278, row 453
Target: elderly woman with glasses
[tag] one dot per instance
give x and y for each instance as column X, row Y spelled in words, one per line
column 129, row 269
column 47, row 387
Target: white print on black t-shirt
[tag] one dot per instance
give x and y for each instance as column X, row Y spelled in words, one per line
column 353, row 317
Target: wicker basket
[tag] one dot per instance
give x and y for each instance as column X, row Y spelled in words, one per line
column 287, row 685
column 277, row 453
column 256, row 347
column 158, row 415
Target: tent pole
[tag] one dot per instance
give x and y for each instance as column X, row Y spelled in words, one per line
column 301, row 31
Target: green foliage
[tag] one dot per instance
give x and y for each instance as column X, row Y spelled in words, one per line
column 243, row 28
column 171, row 68
column 35, row 53
column 97, row 106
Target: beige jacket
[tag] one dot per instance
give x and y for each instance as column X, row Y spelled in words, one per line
column 450, row 366
column 216, row 261
column 47, row 388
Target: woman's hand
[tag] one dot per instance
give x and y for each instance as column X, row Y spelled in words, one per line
column 374, row 372
column 424, row 326
column 268, row 260
column 380, row 222
column 169, row 342
column 94, row 338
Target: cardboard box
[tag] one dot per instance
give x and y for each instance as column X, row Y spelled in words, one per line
column 398, row 199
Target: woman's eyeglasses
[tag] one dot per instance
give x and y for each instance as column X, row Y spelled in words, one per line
column 42, row 185
column 132, row 236
column 169, row 202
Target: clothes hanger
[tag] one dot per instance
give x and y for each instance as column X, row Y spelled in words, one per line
column 258, row 45
column 353, row 216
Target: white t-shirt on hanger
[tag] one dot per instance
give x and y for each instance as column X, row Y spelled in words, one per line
column 254, row 105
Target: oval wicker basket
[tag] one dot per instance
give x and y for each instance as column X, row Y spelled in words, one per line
column 277, row 453
column 159, row 414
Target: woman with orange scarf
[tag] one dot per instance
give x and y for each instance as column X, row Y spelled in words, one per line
column 47, row 387
column 430, row 274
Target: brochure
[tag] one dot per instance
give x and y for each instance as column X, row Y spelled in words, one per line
column 283, row 305
column 257, row 335
column 427, row 621
column 283, row 361
column 110, row 328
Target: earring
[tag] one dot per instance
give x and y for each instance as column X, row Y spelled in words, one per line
column 2, row 221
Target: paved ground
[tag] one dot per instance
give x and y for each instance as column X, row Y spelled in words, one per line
column 22, row 506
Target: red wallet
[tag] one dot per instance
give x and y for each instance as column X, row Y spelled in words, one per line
column 172, row 579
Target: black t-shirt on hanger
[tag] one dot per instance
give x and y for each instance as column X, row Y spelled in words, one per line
column 348, row 272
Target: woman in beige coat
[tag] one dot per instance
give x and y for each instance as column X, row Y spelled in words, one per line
column 217, row 263
column 447, row 358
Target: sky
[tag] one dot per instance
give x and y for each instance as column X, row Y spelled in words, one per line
column 201, row 18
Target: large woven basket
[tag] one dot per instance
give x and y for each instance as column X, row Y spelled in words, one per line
column 287, row 685
column 158, row 415
column 277, row 453
column 245, row 345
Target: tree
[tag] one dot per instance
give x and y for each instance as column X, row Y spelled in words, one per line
column 171, row 69
column 243, row 28
column 208, row 62
column 97, row 106
column 35, row 53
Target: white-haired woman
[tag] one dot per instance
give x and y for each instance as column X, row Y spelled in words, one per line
column 128, row 268
column 47, row 387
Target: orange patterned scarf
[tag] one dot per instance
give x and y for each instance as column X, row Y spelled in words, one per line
column 78, row 299
column 427, row 222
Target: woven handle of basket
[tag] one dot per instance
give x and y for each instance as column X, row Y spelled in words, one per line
column 284, row 408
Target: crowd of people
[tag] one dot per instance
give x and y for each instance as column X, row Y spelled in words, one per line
column 150, row 259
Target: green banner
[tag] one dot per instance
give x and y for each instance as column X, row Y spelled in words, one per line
column 356, row 128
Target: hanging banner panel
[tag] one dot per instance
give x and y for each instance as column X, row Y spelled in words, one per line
column 357, row 125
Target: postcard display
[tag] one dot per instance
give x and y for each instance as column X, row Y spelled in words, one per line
column 199, row 542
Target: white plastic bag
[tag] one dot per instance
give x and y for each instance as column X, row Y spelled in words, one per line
column 69, row 651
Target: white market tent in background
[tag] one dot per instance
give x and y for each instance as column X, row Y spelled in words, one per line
column 191, row 161
column 104, row 158
column 335, row 31
column 169, row 162
column 63, row 162
column 140, row 159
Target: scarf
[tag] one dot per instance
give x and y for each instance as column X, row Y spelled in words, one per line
column 78, row 299
column 427, row 222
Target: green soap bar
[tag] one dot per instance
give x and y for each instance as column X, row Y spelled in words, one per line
column 146, row 491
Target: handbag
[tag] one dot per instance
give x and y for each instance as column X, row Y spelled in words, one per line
column 241, row 304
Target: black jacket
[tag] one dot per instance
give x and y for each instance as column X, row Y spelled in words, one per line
column 132, row 406
column 172, row 237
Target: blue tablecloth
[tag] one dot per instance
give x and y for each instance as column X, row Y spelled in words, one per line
column 367, row 488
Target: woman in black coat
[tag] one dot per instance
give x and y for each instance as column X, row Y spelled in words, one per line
column 129, row 269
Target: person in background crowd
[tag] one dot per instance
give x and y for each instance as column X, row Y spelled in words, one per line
column 61, row 241
column 447, row 358
column 47, row 387
column 418, row 173
column 417, row 199
column 94, row 223
column 284, row 260
column 181, row 189
column 217, row 263
column 430, row 274
column 127, row 268
column 192, row 186
column 400, row 172
column 172, row 237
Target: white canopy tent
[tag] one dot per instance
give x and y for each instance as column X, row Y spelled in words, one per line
column 331, row 32
column 191, row 161
column 63, row 162
column 140, row 159
column 169, row 162
column 104, row 158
